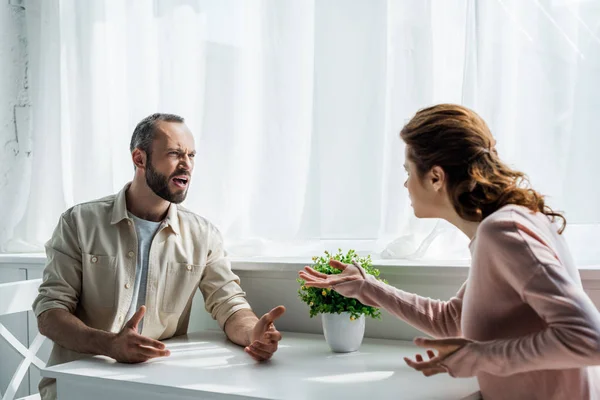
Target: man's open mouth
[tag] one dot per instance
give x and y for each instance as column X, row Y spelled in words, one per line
column 181, row 181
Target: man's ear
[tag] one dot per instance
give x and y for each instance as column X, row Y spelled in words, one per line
column 139, row 158
column 437, row 178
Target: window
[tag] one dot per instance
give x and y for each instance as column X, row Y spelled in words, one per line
column 296, row 108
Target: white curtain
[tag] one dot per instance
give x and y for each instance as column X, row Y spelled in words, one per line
column 296, row 107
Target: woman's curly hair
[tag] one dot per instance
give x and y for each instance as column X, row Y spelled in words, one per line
column 459, row 141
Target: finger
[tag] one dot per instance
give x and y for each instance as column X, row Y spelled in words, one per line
column 410, row 363
column 315, row 273
column 311, row 277
column 311, row 282
column 254, row 354
column 151, row 352
column 272, row 315
column 424, row 342
column 136, row 318
column 420, row 366
column 146, row 341
column 269, row 348
column 273, row 336
column 434, row 371
column 444, row 347
column 330, row 282
column 338, row 265
column 265, row 352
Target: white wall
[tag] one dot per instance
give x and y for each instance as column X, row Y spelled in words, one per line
column 13, row 93
column 267, row 289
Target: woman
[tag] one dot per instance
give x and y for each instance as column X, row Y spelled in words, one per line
column 521, row 323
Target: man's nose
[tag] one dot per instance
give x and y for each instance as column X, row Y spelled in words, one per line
column 186, row 163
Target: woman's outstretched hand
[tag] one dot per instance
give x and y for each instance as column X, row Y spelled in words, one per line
column 317, row 279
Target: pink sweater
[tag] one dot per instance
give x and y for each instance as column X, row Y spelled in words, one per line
column 535, row 333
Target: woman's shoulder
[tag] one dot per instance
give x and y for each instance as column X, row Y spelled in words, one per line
column 513, row 218
column 525, row 234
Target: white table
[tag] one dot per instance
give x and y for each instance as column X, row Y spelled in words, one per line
column 204, row 365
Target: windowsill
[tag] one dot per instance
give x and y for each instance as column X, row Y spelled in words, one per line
column 22, row 258
column 290, row 265
column 386, row 267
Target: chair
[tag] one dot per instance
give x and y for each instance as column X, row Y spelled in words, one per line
column 16, row 297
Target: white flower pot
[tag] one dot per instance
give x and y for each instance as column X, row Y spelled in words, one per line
column 343, row 335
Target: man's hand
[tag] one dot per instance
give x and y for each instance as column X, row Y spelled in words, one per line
column 264, row 338
column 128, row 346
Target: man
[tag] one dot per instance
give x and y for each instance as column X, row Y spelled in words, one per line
column 122, row 271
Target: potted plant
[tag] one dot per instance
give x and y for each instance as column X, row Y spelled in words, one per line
column 343, row 318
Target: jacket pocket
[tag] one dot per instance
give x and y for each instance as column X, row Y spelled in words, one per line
column 181, row 284
column 99, row 280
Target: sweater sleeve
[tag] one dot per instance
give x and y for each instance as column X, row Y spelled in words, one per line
column 436, row 318
column 571, row 338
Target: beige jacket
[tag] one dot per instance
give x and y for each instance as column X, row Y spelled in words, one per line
column 90, row 272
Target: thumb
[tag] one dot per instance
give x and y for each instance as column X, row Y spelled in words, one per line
column 339, row 265
column 136, row 318
column 272, row 315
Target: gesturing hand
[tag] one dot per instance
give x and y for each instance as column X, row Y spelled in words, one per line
column 433, row 366
column 128, row 346
column 264, row 337
column 320, row 280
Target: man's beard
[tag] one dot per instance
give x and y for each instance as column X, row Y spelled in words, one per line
column 159, row 184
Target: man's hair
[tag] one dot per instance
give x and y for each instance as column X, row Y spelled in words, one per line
column 143, row 133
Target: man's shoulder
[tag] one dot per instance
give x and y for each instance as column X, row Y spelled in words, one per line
column 195, row 221
column 95, row 207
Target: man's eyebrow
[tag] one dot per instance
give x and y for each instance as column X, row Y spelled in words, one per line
column 180, row 151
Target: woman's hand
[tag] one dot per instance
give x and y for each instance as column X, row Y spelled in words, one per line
column 445, row 348
column 319, row 280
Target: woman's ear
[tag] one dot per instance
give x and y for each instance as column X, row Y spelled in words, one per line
column 437, row 178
